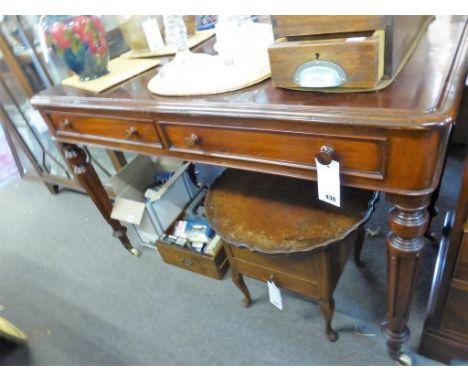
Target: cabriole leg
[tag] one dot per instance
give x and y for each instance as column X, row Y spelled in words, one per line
column 327, row 308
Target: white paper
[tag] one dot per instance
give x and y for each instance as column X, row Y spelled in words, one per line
column 328, row 181
column 275, row 295
column 130, row 218
column 152, row 34
column 350, row 39
column 180, row 229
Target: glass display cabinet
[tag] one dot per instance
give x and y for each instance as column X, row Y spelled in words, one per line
column 23, row 73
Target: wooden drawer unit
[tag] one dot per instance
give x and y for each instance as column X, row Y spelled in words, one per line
column 181, row 256
column 184, row 258
column 359, row 156
column 357, row 61
column 315, row 52
column 128, row 131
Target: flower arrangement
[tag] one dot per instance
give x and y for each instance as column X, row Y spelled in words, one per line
column 81, row 42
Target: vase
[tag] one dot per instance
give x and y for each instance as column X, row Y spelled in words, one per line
column 81, row 43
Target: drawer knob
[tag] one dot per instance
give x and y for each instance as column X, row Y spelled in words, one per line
column 192, row 140
column 185, row 261
column 325, row 155
column 131, row 132
column 66, row 124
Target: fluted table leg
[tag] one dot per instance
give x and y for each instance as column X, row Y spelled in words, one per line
column 84, row 172
column 408, row 221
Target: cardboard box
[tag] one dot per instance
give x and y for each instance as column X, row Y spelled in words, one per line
column 151, row 217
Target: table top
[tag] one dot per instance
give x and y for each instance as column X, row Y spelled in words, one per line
column 426, row 92
column 278, row 215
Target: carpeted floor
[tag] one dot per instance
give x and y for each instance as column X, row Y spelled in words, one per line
column 83, row 300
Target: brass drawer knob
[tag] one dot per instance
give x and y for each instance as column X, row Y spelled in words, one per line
column 192, row 140
column 131, row 132
column 66, row 124
column 325, row 155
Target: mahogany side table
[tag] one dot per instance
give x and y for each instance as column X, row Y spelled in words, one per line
column 275, row 229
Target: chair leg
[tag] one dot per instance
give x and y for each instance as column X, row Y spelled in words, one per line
column 361, row 233
column 238, row 280
column 327, row 308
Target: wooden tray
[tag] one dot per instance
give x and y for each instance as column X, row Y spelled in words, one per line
column 120, row 70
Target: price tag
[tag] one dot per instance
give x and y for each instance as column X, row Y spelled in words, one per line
column 328, row 181
column 275, row 295
column 152, row 34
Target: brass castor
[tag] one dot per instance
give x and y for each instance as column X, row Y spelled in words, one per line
column 404, row 360
column 132, row 250
column 11, row 332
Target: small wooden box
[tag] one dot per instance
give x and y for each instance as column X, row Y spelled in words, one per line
column 360, row 57
column 340, row 51
column 215, row 267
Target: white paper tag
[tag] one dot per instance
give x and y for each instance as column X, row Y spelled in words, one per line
column 152, row 34
column 275, row 295
column 328, row 181
column 130, row 219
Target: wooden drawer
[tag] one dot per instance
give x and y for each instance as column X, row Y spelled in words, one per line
column 193, row 261
column 130, row 131
column 357, row 61
column 304, row 267
column 358, row 156
column 213, row 266
column 284, row 280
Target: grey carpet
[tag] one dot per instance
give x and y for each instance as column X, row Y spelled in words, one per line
column 82, row 300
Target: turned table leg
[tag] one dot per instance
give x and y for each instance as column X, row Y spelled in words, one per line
column 408, row 221
column 84, row 172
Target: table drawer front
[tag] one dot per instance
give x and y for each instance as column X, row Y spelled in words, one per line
column 128, row 130
column 281, row 279
column 302, row 266
column 359, row 156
